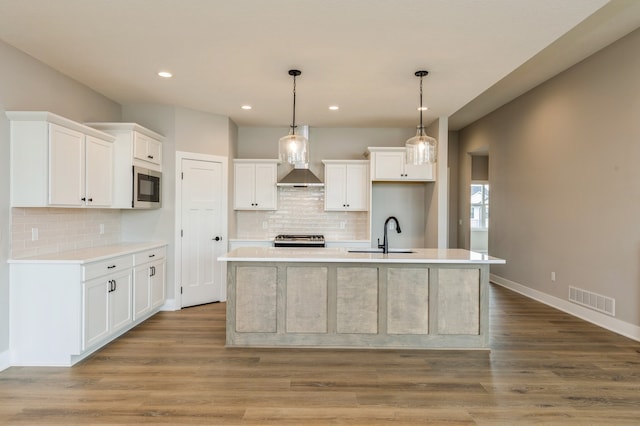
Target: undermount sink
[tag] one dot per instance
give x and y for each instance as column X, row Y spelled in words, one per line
column 391, row 251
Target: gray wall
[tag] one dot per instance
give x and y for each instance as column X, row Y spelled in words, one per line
column 565, row 181
column 453, row 189
column 27, row 84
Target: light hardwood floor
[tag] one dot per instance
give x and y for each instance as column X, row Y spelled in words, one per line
column 544, row 367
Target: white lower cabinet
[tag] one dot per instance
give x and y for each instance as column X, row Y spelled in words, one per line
column 148, row 281
column 106, row 307
column 62, row 311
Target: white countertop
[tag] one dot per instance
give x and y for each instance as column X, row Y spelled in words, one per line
column 90, row 254
column 343, row 255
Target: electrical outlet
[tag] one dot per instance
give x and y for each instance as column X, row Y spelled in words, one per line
column 343, row 224
column 102, row 229
column 553, row 277
column 265, row 224
column 34, row 234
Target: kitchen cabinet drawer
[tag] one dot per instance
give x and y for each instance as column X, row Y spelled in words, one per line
column 149, row 255
column 109, row 266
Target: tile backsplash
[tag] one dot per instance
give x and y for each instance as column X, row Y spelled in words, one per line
column 301, row 211
column 51, row 230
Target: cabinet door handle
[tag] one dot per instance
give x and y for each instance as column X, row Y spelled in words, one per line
column 217, row 238
column 110, row 286
column 114, row 285
column 150, row 157
column 90, row 200
column 83, row 199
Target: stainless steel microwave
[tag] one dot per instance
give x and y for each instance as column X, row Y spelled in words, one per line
column 147, row 187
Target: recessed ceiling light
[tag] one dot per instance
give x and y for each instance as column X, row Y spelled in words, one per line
column 246, row 107
column 334, row 107
column 165, row 74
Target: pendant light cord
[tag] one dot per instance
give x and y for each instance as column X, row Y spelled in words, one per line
column 421, row 74
column 293, row 125
column 421, row 126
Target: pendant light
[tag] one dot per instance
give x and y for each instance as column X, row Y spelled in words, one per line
column 421, row 149
column 294, row 148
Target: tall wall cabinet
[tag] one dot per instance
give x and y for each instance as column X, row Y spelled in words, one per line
column 59, row 163
column 134, row 146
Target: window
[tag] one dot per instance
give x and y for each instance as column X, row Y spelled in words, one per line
column 479, row 206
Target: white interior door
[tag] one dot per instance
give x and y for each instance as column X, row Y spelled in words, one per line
column 202, row 231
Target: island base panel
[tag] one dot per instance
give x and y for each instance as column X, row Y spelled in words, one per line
column 342, row 305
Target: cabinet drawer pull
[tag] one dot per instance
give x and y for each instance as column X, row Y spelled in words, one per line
column 152, row 255
column 111, row 267
column 150, row 157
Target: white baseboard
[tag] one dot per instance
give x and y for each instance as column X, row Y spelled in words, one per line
column 5, row 360
column 170, row 305
column 605, row 321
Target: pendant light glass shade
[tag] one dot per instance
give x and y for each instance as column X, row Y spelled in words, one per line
column 421, row 149
column 294, row 148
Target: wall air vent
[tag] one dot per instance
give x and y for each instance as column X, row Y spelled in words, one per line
column 591, row 300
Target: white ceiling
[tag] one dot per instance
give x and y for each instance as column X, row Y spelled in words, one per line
column 358, row 54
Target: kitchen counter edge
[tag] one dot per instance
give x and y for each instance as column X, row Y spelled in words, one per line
column 89, row 254
column 343, row 255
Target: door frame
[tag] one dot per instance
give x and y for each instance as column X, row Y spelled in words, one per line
column 182, row 155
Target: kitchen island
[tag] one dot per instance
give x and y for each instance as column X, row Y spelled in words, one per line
column 334, row 297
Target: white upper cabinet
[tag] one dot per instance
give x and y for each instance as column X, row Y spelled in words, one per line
column 147, row 149
column 134, row 145
column 58, row 162
column 389, row 164
column 99, row 172
column 255, row 184
column 347, row 185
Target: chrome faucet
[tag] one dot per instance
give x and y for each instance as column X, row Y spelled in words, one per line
column 385, row 241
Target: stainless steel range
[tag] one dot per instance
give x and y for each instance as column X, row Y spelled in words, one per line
column 299, row 241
